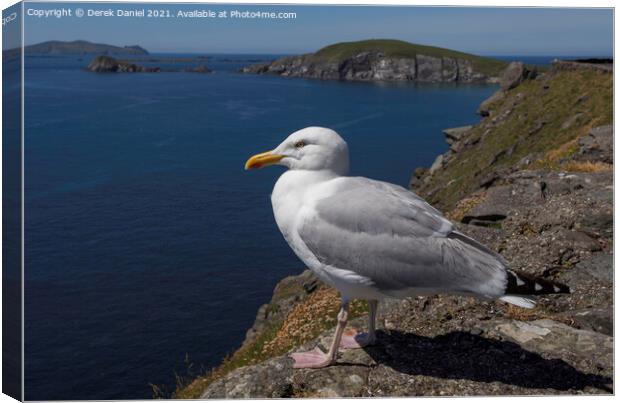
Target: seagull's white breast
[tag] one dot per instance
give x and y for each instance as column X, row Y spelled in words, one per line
column 293, row 199
column 294, row 194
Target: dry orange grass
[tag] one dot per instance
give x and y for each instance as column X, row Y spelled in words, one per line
column 304, row 321
column 307, row 320
column 562, row 151
column 587, row 166
column 527, row 315
column 523, row 314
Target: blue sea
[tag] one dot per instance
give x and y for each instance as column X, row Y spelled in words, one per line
column 148, row 248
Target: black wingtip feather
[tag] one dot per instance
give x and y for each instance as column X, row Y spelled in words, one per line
column 523, row 284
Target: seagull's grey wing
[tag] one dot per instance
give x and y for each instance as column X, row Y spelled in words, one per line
column 398, row 241
column 374, row 207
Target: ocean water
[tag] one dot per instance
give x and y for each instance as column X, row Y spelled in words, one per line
column 148, row 246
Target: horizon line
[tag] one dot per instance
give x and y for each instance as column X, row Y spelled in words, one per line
column 289, row 53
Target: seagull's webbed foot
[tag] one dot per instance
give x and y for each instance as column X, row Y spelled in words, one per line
column 312, row 359
column 317, row 358
column 352, row 339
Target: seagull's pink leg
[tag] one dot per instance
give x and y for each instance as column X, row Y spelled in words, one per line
column 318, row 359
column 352, row 339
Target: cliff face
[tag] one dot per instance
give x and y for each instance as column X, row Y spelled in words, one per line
column 384, row 61
column 375, row 66
column 550, row 214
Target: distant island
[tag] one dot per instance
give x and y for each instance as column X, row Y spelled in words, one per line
column 80, row 47
column 385, row 60
column 108, row 64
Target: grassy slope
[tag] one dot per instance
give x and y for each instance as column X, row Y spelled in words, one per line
column 569, row 93
column 402, row 49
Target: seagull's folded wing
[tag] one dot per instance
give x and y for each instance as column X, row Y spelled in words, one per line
column 398, row 241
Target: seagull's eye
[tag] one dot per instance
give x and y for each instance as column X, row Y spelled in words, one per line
column 300, row 144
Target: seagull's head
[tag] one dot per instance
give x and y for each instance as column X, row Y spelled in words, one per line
column 312, row 149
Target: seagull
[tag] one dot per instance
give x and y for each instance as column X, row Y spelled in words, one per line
column 372, row 240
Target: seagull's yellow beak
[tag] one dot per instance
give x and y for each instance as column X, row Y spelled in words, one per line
column 262, row 160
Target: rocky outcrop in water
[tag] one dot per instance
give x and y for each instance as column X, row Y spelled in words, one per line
column 107, row 64
column 201, row 69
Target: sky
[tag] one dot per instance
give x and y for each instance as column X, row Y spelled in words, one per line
column 483, row 31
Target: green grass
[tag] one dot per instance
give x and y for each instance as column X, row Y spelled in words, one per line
column 569, row 93
column 401, row 49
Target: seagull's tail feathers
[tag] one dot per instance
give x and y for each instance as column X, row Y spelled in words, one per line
column 521, row 284
column 519, row 301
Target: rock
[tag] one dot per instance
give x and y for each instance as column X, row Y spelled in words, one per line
column 577, row 240
column 595, row 319
column 468, row 74
column 591, row 271
column 514, row 74
column 455, row 134
column 601, row 65
column 585, row 349
column 202, row 69
column 528, row 160
column 429, row 68
column 271, row 379
column 597, row 145
column 598, row 223
column 485, row 107
column 259, row 68
column 492, row 211
column 500, row 201
column 450, row 70
column 373, row 65
column 417, row 176
column 333, row 381
column 107, row 64
column 103, row 64
column 437, row 165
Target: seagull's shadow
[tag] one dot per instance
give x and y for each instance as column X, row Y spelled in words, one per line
column 461, row 355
